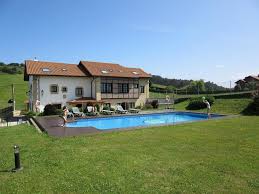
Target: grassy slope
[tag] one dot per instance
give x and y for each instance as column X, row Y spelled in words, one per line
column 219, row 156
column 6, row 92
column 224, row 106
column 163, row 95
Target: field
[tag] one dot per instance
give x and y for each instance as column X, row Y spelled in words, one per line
column 224, row 106
column 163, row 95
column 219, row 156
column 215, row 156
column 6, row 80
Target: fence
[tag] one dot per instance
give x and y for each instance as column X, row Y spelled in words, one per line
column 6, row 112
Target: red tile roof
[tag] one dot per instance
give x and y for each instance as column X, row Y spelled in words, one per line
column 85, row 68
column 100, row 69
column 52, row 68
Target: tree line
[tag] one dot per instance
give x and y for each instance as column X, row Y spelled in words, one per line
column 11, row 68
column 184, row 86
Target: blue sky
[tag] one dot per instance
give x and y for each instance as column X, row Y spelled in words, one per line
column 215, row 40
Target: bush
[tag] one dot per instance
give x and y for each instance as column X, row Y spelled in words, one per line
column 197, row 103
column 31, row 114
column 148, row 106
column 253, row 107
column 51, row 110
column 138, row 107
column 155, row 104
column 112, row 109
column 97, row 107
column 106, row 108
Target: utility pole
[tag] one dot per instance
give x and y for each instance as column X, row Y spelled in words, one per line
column 230, row 85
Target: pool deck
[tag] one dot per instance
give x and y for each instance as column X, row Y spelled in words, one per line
column 52, row 125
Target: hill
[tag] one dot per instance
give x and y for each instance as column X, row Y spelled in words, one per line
column 6, row 81
column 160, row 84
column 11, row 68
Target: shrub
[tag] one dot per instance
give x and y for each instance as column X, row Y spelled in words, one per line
column 112, row 109
column 31, row 114
column 50, row 110
column 197, row 103
column 148, row 106
column 138, row 107
column 155, row 104
column 106, row 108
column 97, row 107
column 253, row 107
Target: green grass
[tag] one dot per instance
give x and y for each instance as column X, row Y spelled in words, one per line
column 163, row 95
column 6, row 80
column 216, row 156
column 159, row 86
column 223, row 106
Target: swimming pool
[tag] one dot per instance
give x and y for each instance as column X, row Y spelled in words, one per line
column 142, row 120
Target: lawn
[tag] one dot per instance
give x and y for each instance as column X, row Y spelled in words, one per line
column 6, row 81
column 223, row 106
column 216, row 156
column 163, row 95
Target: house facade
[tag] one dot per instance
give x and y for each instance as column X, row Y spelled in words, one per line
column 85, row 83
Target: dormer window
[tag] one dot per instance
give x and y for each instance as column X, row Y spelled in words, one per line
column 45, row 69
column 104, row 71
column 136, row 73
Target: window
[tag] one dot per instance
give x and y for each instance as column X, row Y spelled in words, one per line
column 123, row 88
column 64, row 89
column 135, row 86
column 136, row 73
column 142, row 89
column 54, row 89
column 131, row 104
column 79, row 92
column 106, row 87
column 45, row 69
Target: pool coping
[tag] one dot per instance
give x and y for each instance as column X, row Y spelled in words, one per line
column 52, row 124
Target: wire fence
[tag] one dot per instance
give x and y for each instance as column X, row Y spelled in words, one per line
column 16, row 91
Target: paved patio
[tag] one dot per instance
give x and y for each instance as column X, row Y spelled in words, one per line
column 52, row 126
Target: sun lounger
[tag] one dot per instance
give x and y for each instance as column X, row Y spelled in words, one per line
column 77, row 112
column 108, row 112
column 120, row 110
column 70, row 114
column 134, row 110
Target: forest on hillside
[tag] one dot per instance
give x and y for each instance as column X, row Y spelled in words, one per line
column 11, row 68
column 189, row 86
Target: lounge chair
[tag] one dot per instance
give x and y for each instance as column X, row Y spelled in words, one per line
column 77, row 112
column 107, row 112
column 134, row 110
column 120, row 110
column 70, row 114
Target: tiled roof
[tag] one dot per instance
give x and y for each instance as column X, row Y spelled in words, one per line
column 100, row 69
column 85, row 68
column 52, row 68
column 255, row 77
column 252, row 76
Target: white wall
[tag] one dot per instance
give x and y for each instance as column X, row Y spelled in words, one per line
column 70, row 82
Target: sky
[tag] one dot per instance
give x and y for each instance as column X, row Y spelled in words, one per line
column 215, row 40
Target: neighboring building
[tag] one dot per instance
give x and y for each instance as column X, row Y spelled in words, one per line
column 248, row 83
column 85, row 83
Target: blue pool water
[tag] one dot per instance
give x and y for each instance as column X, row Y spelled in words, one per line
column 128, row 121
